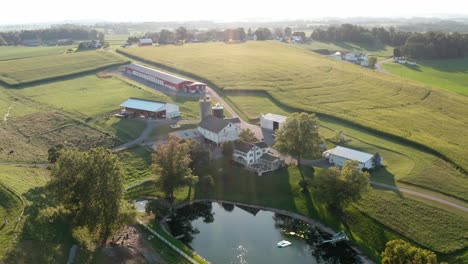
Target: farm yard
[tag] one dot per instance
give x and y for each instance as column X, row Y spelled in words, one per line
column 451, row 75
column 28, row 70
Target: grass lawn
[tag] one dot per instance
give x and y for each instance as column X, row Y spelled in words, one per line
column 10, row 209
column 116, row 40
column 451, row 75
column 19, row 52
column 162, row 130
column 364, row 220
column 27, row 70
column 137, row 164
column 376, row 49
column 304, row 80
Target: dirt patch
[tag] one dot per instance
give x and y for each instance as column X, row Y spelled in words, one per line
column 130, row 246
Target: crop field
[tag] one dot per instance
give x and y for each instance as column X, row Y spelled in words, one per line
column 451, row 75
column 305, row 81
column 376, row 49
column 27, row 70
column 116, row 39
column 10, row 209
column 19, row 52
column 403, row 163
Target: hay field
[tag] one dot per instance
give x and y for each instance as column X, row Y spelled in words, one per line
column 27, row 70
column 305, row 81
column 451, row 75
column 19, row 52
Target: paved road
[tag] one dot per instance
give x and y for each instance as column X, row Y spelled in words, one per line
column 427, row 196
column 379, row 65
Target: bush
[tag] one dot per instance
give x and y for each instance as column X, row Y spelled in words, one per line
column 207, row 183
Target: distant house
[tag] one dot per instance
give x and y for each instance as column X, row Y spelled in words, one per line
column 339, row 155
column 31, row 42
column 145, row 42
column 136, row 107
column 271, row 121
column 352, row 56
column 256, row 156
column 164, row 79
column 335, row 56
column 219, row 130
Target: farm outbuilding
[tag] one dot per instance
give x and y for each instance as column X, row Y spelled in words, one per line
column 145, row 42
column 271, row 121
column 339, row 155
column 165, row 79
column 135, row 107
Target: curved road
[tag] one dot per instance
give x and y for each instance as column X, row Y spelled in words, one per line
column 379, row 65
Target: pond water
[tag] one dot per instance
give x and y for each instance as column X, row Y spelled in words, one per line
column 224, row 233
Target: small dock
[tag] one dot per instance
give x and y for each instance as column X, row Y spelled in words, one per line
column 340, row 236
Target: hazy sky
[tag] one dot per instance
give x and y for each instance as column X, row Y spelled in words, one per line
column 29, row 11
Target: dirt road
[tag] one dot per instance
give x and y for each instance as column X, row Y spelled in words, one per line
column 379, row 66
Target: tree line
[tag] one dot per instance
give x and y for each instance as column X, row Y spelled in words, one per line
column 48, row 36
column 430, row 45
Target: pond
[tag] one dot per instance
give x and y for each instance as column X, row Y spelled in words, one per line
column 227, row 233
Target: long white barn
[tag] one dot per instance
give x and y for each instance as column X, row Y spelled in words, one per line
column 339, row 155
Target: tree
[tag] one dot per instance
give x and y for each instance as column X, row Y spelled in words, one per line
column 248, row 136
column 166, row 37
column 377, row 161
column 228, row 149
column 288, row 32
column 199, row 156
column 181, row 34
column 90, row 186
column 171, row 161
column 337, row 187
column 299, row 136
column 400, row 251
column 54, row 153
column 190, row 180
column 206, row 183
column 372, row 61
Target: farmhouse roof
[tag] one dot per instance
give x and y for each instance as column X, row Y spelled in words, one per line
column 243, row 146
column 261, row 144
column 146, row 41
column 214, row 124
column 349, row 154
column 268, row 157
column 142, row 104
column 155, row 73
column 275, row 117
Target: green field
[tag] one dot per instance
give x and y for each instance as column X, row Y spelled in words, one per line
column 364, row 219
column 19, row 52
column 451, row 75
column 403, row 163
column 10, row 208
column 373, row 49
column 305, row 81
column 116, row 40
column 27, row 70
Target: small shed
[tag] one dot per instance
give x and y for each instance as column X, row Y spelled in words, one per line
column 271, row 121
column 339, row 155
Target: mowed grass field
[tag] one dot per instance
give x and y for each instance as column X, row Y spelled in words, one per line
column 405, row 165
column 27, row 70
column 303, row 80
column 19, row 52
column 116, row 40
column 378, row 50
column 451, row 75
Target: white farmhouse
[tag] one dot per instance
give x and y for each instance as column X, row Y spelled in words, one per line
column 256, row 156
column 339, row 155
column 352, row 56
column 219, row 130
column 271, row 121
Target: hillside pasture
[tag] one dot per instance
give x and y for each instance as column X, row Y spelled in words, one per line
column 20, row 52
column 28, row 70
column 302, row 80
column 116, row 40
column 451, row 75
column 10, row 208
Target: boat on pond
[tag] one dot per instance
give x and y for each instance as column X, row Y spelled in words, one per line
column 283, row 244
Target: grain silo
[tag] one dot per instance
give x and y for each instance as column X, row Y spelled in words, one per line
column 205, row 105
column 218, row 111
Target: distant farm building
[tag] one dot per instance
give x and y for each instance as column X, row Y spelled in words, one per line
column 335, row 56
column 339, row 155
column 219, row 130
column 357, row 58
column 145, row 42
column 135, row 107
column 165, row 79
column 271, row 121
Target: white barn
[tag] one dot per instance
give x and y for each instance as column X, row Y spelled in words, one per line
column 219, row 130
column 149, row 109
column 339, row 155
column 335, row 56
column 271, row 121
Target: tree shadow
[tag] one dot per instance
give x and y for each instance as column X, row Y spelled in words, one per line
column 459, row 65
column 382, row 175
column 413, row 67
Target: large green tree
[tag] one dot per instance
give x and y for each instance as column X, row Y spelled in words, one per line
column 402, row 252
column 90, row 186
column 337, row 187
column 248, row 136
column 171, row 162
column 299, row 136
